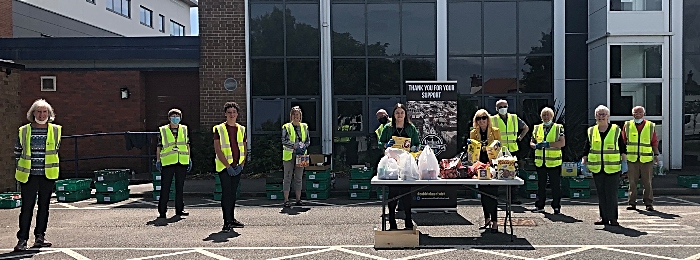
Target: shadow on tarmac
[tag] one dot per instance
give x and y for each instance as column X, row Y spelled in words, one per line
column 29, row 253
column 221, row 236
column 561, row 218
column 624, row 231
column 294, row 210
column 161, row 222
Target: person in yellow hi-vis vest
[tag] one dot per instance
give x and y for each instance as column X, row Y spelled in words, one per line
column 547, row 140
column 605, row 150
column 36, row 152
column 383, row 119
column 173, row 161
column 643, row 154
column 230, row 142
column 513, row 129
column 295, row 141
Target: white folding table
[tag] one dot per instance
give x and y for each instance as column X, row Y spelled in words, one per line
column 420, row 184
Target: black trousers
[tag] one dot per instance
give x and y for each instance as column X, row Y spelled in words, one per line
column 229, row 185
column 41, row 186
column 178, row 171
column 554, row 175
column 606, row 185
column 406, row 201
column 488, row 204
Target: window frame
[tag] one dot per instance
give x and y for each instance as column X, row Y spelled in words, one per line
column 180, row 26
column 162, row 23
column 53, row 79
column 150, row 17
column 121, row 2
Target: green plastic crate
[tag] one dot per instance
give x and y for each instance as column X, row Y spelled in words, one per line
column 317, row 195
column 317, row 185
column 318, row 175
column 72, row 196
column 360, row 185
column 361, row 173
column 273, row 186
column 111, row 197
column 103, row 186
column 622, row 193
column 579, row 193
column 528, row 175
column 530, row 185
column 360, row 195
column 157, row 185
column 10, row 203
column 274, row 195
column 576, row 183
column 689, row 181
column 111, row 175
column 73, row 184
column 528, row 194
column 156, row 195
column 380, row 195
column 11, row 195
column 156, row 176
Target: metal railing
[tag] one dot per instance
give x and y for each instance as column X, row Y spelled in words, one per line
column 76, row 157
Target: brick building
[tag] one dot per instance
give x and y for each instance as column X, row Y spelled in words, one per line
column 9, row 107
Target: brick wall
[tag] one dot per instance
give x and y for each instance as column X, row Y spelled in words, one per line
column 6, row 18
column 87, row 102
column 9, row 107
column 222, row 34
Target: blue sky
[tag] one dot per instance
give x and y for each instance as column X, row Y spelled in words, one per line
column 194, row 25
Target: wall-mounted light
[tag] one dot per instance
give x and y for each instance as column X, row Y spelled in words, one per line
column 8, row 71
column 125, row 93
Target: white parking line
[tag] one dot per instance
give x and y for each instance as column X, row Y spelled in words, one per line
column 303, row 254
column 164, row 255
column 428, row 254
column 500, row 254
column 74, row 254
column 358, row 253
column 578, row 250
column 637, row 253
column 212, row 255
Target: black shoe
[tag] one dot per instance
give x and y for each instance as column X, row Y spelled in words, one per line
column 537, row 210
column 557, row 211
column 287, row 204
column 162, row 216
column 227, row 228
column 614, row 223
column 632, row 207
column 237, row 224
column 40, row 241
column 650, row 208
column 21, row 245
column 600, row 222
column 182, row 213
column 299, row 203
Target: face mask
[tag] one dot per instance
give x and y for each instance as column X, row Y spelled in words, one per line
column 548, row 123
column 42, row 122
column 384, row 120
column 638, row 121
column 175, row 120
column 503, row 110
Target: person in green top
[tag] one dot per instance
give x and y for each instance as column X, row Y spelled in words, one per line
column 401, row 126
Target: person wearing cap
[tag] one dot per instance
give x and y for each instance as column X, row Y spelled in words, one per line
column 383, row 119
column 230, row 142
column 513, row 130
column 173, row 161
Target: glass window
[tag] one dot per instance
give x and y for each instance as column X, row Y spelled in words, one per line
column 122, row 7
column 499, row 75
column 467, row 72
column 266, row 30
column 499, row 27
column 267, row 77
column 349, row 77
column 176, row 29
column 303, row 77
column 384, row 77
column 419, row 69
column 146, row 16
column 161, row 23
column 635, row 61
column 418, row 29
column 91, row 1
column 303, row 36
column 268, row 114
column 536, row 74
column 349, row 116
column 691, row 26
column 576, row 52
column 635, row 5
column 535, row 27
column 576, row 17
column 464, row 28
column 348, row 21
column 383, row 29
column 623, row 97
column 308, row 110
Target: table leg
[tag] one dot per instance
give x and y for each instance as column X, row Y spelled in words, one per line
column 383, row 207
column 509, row 213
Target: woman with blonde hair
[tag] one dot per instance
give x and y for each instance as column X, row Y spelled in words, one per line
column 295, row 141
column 485, row 133
column 548, row 140
column 36, row 152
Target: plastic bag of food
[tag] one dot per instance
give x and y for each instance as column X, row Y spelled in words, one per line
column 428, row 165
column 388, row 169
column 408, row 167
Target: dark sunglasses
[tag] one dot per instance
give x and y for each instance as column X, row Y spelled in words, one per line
column 482, row 118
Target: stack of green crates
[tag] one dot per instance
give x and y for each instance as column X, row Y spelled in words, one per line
column 318, row 185
column 158, row 183
column 529, row 189
column 273, row 185
column 360, row 183
column 10, row 200
column 689, row 181
column 623, row 190
column 112, row 185
column 217, row 188
column 576, row 188
column 71, row 190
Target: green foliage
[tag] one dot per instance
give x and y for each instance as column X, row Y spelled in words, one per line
column 265, row 154
column 202, row 154
column 575, row 126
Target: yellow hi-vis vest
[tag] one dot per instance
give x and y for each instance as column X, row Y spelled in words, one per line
column 509, row 133
column 174, row 151
column 551, row 157
column 24, row 165
column 605, row 153
column 226, row 145
column 639, row 144
column 380, row 129
column 288, row 152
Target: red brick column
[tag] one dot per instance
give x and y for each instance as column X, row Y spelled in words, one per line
column 5, row 18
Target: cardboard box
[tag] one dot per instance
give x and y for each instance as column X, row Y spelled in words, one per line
column 315, row 159
column 402, row 143
column 397, row 238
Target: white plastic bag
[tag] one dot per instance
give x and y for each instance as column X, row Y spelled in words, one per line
column 388, row 169
column 428, row 165
column 394, row 153
column 408, row 166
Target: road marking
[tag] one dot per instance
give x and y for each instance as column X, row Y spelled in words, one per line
column 66, row 205
column 501, row 254
column 637, row 253
column 428, row 254
column 212, row 255
column 578, row 250
column 685, row 201
column 303, row 254
column 693, row 257
column 361, row 203
column 74, row 254
column 164, row 255
column 148, row 202
column 358, row 253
